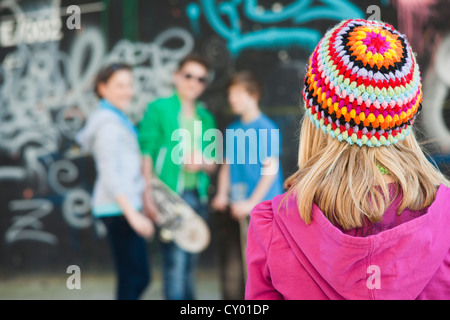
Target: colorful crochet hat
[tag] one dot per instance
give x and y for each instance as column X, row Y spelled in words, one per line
column 363, row 84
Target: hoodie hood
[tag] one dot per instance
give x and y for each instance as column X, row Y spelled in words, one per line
column 394, row 264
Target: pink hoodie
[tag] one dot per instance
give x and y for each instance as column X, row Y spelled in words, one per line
column 288, row 259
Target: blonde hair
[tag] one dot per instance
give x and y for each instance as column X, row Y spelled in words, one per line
column 345, row 183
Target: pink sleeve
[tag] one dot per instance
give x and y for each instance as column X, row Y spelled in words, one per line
column 259, row 285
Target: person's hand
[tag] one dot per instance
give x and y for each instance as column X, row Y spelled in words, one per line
column 150, row 208
column 141, row 224
column 241, row 209
column 220, row 202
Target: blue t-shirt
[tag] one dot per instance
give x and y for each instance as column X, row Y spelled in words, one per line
column 247, row 145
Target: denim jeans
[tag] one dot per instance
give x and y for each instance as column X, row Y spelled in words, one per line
column 179, row 265
column 131, row 259
column 229, row 253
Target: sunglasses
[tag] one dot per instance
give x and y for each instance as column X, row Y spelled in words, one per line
column 201, row 80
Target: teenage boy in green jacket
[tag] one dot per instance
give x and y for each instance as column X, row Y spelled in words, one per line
column 160, row 131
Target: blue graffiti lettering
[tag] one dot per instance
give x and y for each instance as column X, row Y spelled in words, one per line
column 301, row 11
column 193, row 12
column 225, row 19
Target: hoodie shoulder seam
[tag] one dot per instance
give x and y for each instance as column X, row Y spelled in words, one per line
column 269, row 244
column 271, row 233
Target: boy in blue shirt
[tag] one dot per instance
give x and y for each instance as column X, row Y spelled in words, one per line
column 251, row 173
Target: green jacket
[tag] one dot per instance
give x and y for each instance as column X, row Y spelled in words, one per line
column 155, row 138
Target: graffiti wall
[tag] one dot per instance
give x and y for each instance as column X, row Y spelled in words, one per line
column 50, row 50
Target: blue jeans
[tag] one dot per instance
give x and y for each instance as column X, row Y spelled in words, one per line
column 179, row 265
column 131, row 259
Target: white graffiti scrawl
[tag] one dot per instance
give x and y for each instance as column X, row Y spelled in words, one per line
column 45, row 96
column 29, row 226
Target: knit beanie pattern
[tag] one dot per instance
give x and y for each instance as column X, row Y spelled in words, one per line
column 363, row 84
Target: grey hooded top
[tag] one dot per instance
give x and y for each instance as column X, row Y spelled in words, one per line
column 117, row 159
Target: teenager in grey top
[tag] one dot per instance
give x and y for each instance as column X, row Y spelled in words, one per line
column 111, row 138
column 118, row 161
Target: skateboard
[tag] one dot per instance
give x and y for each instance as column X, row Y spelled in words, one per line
column 178, row 221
